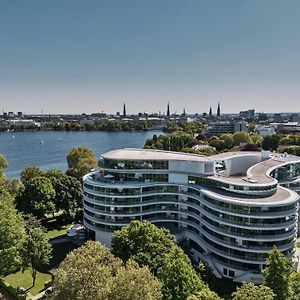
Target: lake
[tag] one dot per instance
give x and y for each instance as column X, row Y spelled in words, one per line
column 49, row 149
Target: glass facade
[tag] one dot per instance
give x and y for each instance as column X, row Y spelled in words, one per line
column 225, row 225
column 134, row 164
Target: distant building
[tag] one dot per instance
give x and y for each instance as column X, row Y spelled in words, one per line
column 264, row 130
column 277, row 118
column 294, row 118
column 247, row 114
column 21, row 122
column 168, row 110
column 219, row 128
column 290, row 127
column 263, row 117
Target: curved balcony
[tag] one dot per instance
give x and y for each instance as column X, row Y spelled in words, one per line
column 250, row 237
column 144, row 203
column 248, row 248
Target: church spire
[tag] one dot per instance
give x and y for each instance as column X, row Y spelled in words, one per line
column 124, row 110
column 218, row 110
column 168, row 110
column 210, row 112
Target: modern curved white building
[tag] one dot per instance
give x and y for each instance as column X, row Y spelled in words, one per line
column 230, row 207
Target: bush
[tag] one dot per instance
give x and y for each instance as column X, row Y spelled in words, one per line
column 12, row 291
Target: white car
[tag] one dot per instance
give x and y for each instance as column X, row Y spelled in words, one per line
column 74, row 230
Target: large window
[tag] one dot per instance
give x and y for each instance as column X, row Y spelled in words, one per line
column 134, row 164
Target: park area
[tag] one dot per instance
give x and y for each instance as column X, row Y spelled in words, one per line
column 57, row 233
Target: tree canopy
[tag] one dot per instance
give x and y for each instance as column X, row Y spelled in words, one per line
column 3, row 165
column 36, row 251
column 250, row 291
column 294, row 286
column 68, row 194
column 12, row 234
column 37, row 197
column 93, row 272
column 276, row 273
column 80, row 161
column 155, row 248
column 143, row 242
column 270, row 142
column 205, row 294
column 31, row 172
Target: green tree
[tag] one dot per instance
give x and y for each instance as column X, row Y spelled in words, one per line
column 11, row 185
column 178, row 276
column 256, row 139
column 276, row 273
column 3, row 165
column 31, row 172
column 241, row 137
column 37, row 197
column 205, row 294
column 93, row 272
column 80, row 161
column 217, row 143
column 54, row 173
column 228, row 140
column 250, row 291
column 135, row 283
column 270, row 142
column 36, row 251
column 143, row 242
column 155, row 248
column 294, row 286
column 68, row 194
column 12, row 234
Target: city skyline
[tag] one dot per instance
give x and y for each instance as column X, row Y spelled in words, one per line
column 70, row 57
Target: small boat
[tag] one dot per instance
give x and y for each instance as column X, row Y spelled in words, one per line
column 42, row 142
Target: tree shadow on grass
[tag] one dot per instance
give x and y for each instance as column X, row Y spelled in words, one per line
column 59, row 253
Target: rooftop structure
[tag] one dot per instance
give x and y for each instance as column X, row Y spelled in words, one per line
column 231, row 207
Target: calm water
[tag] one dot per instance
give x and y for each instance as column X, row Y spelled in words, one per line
column 49, row 150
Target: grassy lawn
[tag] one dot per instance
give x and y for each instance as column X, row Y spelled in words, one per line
column 57, row 226
column 60, row 232
column 24, row 279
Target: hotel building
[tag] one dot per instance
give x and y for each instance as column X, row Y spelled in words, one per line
column 231, row 207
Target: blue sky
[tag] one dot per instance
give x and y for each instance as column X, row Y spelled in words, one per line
column 87, row 56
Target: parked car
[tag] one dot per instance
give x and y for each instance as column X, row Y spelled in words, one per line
column 75, row 230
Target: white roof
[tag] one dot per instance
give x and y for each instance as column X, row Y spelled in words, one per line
column 149, row 154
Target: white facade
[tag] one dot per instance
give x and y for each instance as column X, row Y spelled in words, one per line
column 22, row 122
column 229, row 206
column 265, row 130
